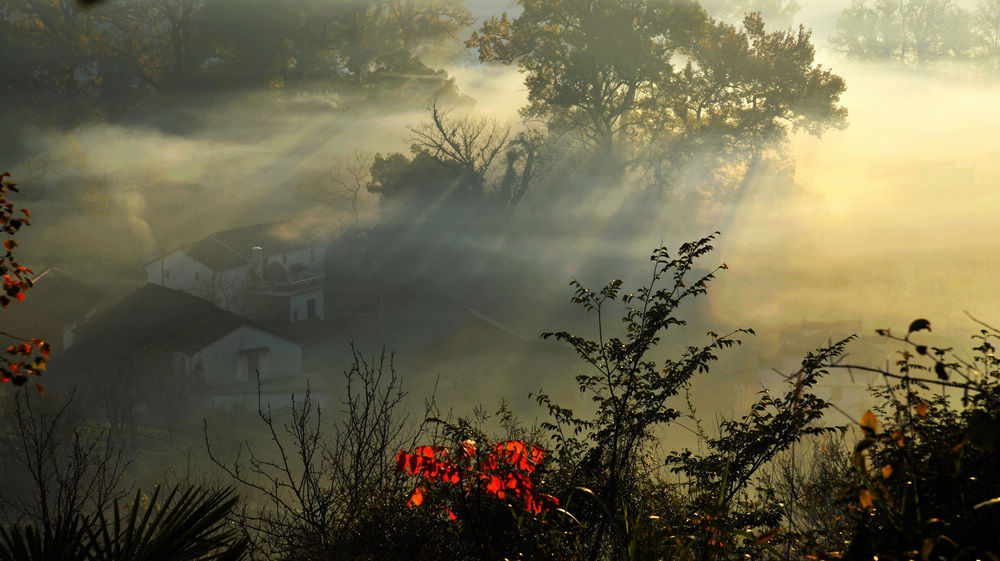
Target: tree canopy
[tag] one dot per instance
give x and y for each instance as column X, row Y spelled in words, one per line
column 663, row 75
column 910, row 31
column 80, row 62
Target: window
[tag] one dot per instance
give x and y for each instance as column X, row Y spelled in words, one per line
column 311, row 308
column 284, row 258
column 197, row 275
column 312, row 255
column 166, row 274
column 295, row 315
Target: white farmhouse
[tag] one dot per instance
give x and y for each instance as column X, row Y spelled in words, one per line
column 264, row 272
column 167, row 354
column 172, row 333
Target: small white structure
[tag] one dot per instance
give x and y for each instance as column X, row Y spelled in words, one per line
column 265, row 272
column 168, row 333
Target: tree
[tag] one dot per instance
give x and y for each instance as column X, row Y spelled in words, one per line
column 621, row 75
column 525, row 157
column 909, row 31
column 55, row 467
column 459, row 163
column 157, row 39
column 341, row 181
column 468, row 145
column 414, row 184
column 51, row 46
column 80, row 63
column 778, row 12
column 72, row 63
column 588, row 63
column 369, row 34
column 630, row 389
column 328, row 493
column 731, row 107
column 986, row 22
column 417, row 23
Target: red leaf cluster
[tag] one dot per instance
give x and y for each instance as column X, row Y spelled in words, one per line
column 16, row 279
column 503, row 472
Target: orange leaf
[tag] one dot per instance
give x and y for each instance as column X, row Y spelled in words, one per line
column 869, row 423
column 927, row 548
column 867, row 498
column 469, row 447
column 921, row 408
column 886, row 471
column 416, row 498
column 537, row 454
column 764, row 538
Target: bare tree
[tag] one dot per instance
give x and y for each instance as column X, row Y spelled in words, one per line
column 314, row 493
column 469, row 143
column 342, row 181
column 54, row 465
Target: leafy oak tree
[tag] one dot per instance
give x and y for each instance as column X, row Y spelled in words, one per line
column 663, row 76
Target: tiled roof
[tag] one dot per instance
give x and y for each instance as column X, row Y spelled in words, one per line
column 154, row 317
column 231, row 248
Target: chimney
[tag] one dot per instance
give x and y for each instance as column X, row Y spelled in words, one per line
column 257, row 260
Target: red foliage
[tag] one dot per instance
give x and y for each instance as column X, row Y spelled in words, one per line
column 20, row 363
column 504, row 472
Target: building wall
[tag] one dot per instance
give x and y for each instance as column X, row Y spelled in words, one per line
column 229, row 359
column 178, row 271
column 299, row 305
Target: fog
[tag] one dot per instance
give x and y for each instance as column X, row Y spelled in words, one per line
column 890, row 219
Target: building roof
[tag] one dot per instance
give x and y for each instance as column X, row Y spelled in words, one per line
column 232, row 248
column 61, row 296
column 154, row 317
